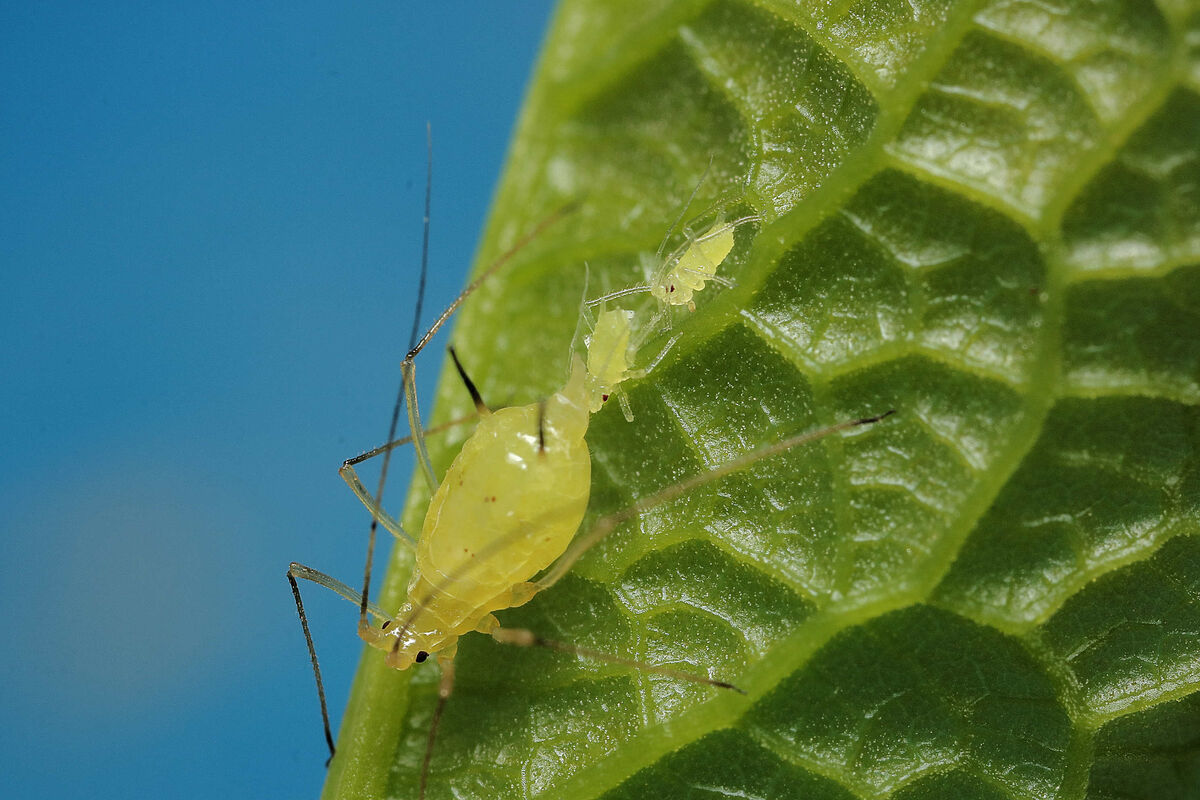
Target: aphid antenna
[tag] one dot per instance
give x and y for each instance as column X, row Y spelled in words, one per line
column 604, row 298
column 377, row 514
column 395, row 419
column 408, row 366
column 584, row 321
column 683, row 211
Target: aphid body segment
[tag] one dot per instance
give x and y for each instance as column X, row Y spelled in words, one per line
column 508, row 506
column 687, row 274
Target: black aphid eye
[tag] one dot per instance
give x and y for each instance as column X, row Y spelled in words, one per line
column 421, row 656
column 603, row 398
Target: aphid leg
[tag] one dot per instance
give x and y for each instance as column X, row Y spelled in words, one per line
column 606, row 524
column 378, row 514
column 585, row 321
column 636, row 374
column 296, row 570
column 480, row 406
column 654, row 362
column 523, row 637
column 336, row 586
column 626, row 408
column 408, row 367
column 721, row 280
column 312, row 655
column 445, row 689
column 350, row 476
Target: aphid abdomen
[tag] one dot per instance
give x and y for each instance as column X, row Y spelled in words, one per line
column 506, row 509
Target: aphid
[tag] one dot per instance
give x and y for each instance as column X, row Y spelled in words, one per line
column 695, row 263
column 507, row 510
column 610, row 348
column 676, row 277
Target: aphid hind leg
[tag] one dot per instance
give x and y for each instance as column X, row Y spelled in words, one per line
column 642, row 372
column 637, row 374
column 606, row 524
column 350, row 476
column 523, row 637
column 409, row 368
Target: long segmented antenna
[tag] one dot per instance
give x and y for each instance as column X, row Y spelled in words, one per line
column 365, row 606
column 683, row 211
column 409, row 367
column 363, row 622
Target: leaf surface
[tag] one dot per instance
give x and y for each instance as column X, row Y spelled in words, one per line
column 983, row 215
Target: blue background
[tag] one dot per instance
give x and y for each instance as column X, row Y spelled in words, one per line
column 208, row 242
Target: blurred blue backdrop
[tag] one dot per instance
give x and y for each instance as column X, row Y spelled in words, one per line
column 210, row 227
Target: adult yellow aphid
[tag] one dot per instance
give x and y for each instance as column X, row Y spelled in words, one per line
column 523, row 478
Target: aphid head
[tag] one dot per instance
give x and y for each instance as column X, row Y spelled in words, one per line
column 403, row 644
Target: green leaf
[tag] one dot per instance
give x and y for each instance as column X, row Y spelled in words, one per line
column 986, row 216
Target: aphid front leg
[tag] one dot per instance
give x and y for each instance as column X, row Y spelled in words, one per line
column 350, row 476
column 295, row 571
